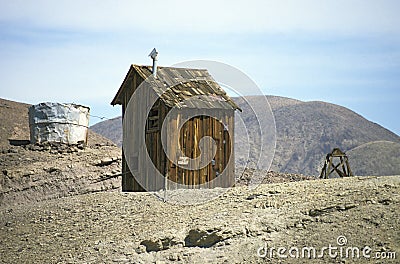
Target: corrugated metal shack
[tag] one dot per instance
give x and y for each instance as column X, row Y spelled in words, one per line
column 188, row 90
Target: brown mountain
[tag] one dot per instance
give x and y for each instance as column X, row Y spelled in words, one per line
column 305, row 133
column 376, row 158
column 111, row 129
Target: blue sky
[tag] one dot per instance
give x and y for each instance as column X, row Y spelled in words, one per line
column 343, row 52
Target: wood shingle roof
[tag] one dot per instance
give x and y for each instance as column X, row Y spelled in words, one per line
column 181, row 87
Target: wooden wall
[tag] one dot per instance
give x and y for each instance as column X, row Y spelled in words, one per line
column 188, row 139
column 218, row 174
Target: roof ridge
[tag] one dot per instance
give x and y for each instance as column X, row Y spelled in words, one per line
column 169, row 67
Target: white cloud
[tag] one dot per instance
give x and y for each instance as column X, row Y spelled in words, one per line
column 343, row 16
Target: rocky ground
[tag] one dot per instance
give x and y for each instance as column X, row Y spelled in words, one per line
column 32, row 173
column 115, row 227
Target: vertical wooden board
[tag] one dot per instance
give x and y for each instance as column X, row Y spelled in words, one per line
column 206, row 132
column 217, row 154
column 175, row 142
column 193, row 152
column 197, row 151
column 179, row 137
column 202, row 161
column 151, row 175
column 231, row 156
column 226, row 150
column 217, row 158
column 158, row 181
column 144, row 169
column 203, row 171
column 170, row 139
column 154, row 179
column 190, row 152
column 164, row 163
column 124, row 174
column 151, row 145
column 125, row 186
column 210, row 168
column 194, row 145
column 180, row 140
column 170, row 142
column 187, row 149
column 180, row 171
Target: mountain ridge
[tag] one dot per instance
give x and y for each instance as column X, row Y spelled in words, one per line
column 305, row 132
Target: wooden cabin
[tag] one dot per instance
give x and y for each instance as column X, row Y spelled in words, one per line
column 150, row 103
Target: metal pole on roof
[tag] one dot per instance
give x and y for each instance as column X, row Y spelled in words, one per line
column 153, row 54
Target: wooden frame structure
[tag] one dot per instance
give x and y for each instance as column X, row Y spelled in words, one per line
column 342, row 168
column 187, row 90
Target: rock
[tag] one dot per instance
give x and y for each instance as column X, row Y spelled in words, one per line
column 385, row 201
column 157, row 244
column 205, row 238
column 330, row 209
column 140, row 249
column 80, row 146
column 104, row 162
column 52, row 169
column 174, row 257
column 12, row 150
column 121, row 260
column 152, row 245
column 29, row 173
column 350, row 206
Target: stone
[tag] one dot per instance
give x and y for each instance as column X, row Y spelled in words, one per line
column 204, row 238
column 158, row 244
column 174, row 257
column 104, row 162
column 141, row 249
column 12, row 150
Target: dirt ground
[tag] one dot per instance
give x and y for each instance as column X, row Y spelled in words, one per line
column 358, row 216
column 34, row 173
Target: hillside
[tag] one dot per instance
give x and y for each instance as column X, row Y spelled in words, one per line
column 119, row 227
column 31, row 173
column 62, row 204
column 305, row 133
column 14, row 121
column 368, row 159
column 111, row 129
